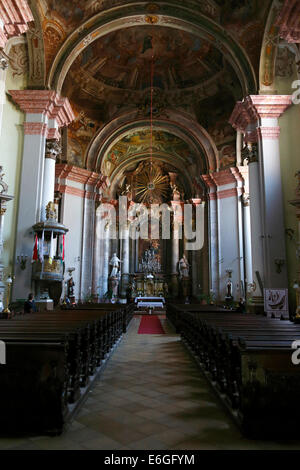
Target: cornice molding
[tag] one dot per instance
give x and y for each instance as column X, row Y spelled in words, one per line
column 15, row 16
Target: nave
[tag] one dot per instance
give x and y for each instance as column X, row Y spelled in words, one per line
column 151, row 396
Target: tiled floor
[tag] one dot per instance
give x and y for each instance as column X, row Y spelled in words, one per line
column 151, row 396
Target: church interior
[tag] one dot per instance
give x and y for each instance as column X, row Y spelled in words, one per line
column 149, row 224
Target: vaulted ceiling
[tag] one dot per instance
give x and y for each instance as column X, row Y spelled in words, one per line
column 204, row 56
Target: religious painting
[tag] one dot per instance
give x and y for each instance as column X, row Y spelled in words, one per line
column 80, row 133
column 245, row 19
column 227, row 156
column 122, row 59
column 276, row 300
column 139, row 142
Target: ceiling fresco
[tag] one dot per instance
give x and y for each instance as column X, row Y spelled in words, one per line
column 111, row 75
column 122, row 59
column 80, row 132
column 115, row 71
column 139, row 143
column 244, row 19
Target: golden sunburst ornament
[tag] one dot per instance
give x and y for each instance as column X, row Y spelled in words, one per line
column 151, row 185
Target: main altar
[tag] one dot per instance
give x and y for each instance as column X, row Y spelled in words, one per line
column 149, row 281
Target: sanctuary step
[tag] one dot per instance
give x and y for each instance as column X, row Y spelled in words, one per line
column 154, row 311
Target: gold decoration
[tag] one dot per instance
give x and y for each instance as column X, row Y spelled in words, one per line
column 51, row 211
column 151, row 19
column 54, row 267
column 151, row 185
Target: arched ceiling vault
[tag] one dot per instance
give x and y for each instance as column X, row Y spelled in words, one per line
column 166, row 161
column 98, row 54
column 202, row 147
column 126, row 16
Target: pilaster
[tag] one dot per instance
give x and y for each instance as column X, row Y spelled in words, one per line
column 257, row 116
column 45, row 112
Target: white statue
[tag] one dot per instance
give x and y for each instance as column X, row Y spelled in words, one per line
column 184, row 267
column 115, row 263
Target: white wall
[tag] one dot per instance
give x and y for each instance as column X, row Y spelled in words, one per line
column 72, row 218
column 229, row 247
column 11, row 142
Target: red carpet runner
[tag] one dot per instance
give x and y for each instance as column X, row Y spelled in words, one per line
column 150, row 325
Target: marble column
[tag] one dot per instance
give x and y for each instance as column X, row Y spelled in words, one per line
column 247, row 239
column 42, row 107
column 256, row 223
column 125, row 254
column 96, row 290
column 239, row 140
column 136, row 244
column 213, row 236
column 262, row 113
column 269, row 109
column 125, row 251
column 106, row 253
column 273, row 212
column 175, row 258
column 53, row 149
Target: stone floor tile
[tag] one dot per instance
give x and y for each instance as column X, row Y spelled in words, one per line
column 150, row 396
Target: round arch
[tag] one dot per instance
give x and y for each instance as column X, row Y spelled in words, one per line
column 36, row 48
column 119, row 172
column 177, row 123
column 269, row 52
column 136, row 14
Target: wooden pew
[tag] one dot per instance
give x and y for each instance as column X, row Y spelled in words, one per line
column 33, row 386
column 248, row 361
column 78, row 340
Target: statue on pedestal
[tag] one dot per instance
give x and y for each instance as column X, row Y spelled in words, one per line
column 115, row 263
column 70, row 287
column 114, row 277
column 184, row 268
column 176, row 194
column 229, row 289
